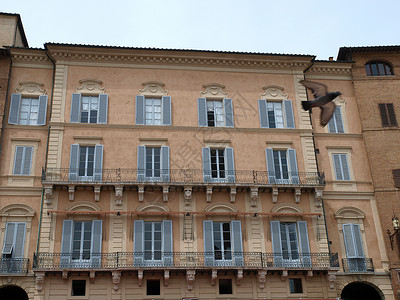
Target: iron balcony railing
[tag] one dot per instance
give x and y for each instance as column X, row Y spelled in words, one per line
column 14, row 265
column 185, row 260
column 181, row 176
column 358, row 265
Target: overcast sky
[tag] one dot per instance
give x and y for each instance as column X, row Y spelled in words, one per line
column 318, row 27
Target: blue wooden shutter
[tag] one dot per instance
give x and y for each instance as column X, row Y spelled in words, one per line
column 9, row 238
column 349, row 241
column 42, row 110
column 294, row 174
column 14, row 109
column 262, row 109
column 276, row 243
column 138, row 243
column 166, row 110
column 18, row 160
column 103, row 109
column 141, row 169
column 98, row 162
column 228, row 108
column 206, row 164
column 165, row 163
column 66, row 244
column 269, row 154
column 358, row 240
column 74, row 162
column 338, row 169
column 75, row 108
column 230, row 164
column 140, row 110
column 167, row 243
column 19, row 240
column 345, row 167
column 27, row 160
column 304, row 244
column 237, row 245
column 208, row 243
column 289, row 113
column 97, row 229
column 202, row 111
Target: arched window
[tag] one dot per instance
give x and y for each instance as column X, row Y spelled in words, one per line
column 378, row 68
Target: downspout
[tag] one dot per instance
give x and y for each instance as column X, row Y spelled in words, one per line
column 316, row 160
column 47, row 148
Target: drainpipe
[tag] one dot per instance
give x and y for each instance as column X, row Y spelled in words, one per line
column 47, row 147
column 316, row 159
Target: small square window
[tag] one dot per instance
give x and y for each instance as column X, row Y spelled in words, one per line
column 225, row 286
column 153, row 287
column 78, row 288
column 295, row 286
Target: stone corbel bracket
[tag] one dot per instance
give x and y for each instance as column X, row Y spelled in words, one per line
column 214, row 275
column 309, row 274
column 166, row 277
column 261, row 276
column 233, row 194
column 97, row 189
column 118, row 194
column 141, row 193
column 39, row 280
column 48, row 192
column 92, row 275
column 284, row 275
column 275, row 193
column 190, row 277
column 165, row 193
column 71, row 192
column 239, row 277
column 187, row 195
column 253, row 196
column 209, row 193
column 116, row 278
column 64, row 275
column 318, row 197
column 331, row 279
column 140, row 277
column 297, row 194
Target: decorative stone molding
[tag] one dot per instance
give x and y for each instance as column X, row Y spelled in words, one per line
column 165, row 193
column 214, row 91
column 16, row 210
column 97, row 189
column 166, row 277
column 209, row 194
column 118, row 194
column 116, row 278
column 190, row 277
column 331, row 279
column 71, row 192
column 273, row 92
column 31, row 89
column 275, row 193
column 284, row 275
column 239, row 277
column 318, row 197
column 39, row 280
column 141, row 193
column 187, row 195
column 90, row 86
column 153, row 89
column 253, row 196
column 92, row 275
column 297, row 194
column 64, row 275
column 309, row 274
column 261, row 276
column 214, row 275
column 233, row 195
column 48, row 194
column 140, row 277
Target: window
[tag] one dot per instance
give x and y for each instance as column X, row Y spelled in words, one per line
column 86, row 163
column 387, row 114
column 341, row 166
column 218, row 165
column 215, row 113
column 89, row 109
column 23, row 160
column 276, row 114
column 153, row 287
column 396, row 177
column 295, row 286
column 13, row 248
column 378, row 68
column 335, row 124
column 153, row 163
column 225, row 286
column 223, row 243
column 290, row 243
column 153, row 244
column 354, row 248
column 28, row 110
column 78, row 288
column 153, row 111
column 282, row 166
column 81, row 243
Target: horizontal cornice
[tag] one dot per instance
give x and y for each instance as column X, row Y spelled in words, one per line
column 331, row 70
column 20, row 55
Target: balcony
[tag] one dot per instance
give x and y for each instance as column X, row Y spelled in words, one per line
column 183, row 177
column 10, row 266
column 358, row 265
column 185, row 260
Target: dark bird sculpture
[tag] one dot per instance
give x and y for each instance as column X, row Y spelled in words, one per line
column 323, row 100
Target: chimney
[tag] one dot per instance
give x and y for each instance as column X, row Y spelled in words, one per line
column 330, row 58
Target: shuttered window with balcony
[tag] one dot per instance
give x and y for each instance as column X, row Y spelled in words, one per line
column 282, row 166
